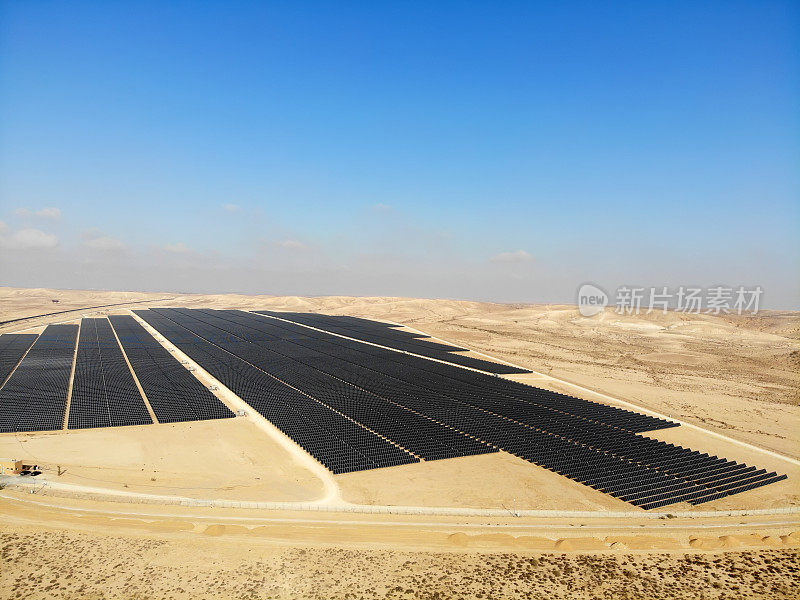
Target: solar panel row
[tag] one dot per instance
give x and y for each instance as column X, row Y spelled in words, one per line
column 104, row 393
column 335, row 441
column 385, row 335
column 35, row 396
column 174, row 394
column 418, row 434
column 507, row 397
column 335, row 323
column 13, row 347
column 499, row 388
column 662, row 473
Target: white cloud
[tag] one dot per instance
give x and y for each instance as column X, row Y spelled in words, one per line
column 292, row 245
column 232, row 208
column 29, row 239
column 179, row 248
column 49, row 212
column 518, row 256
column 104, row 242
column 3, row 227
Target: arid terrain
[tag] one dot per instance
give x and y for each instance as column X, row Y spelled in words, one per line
column 123, row 516
column 146, row 567
column 735, row 374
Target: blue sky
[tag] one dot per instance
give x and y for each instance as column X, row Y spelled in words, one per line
column 464, row 149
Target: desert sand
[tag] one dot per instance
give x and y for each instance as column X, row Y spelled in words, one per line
column 108, row 531
column 151, row 567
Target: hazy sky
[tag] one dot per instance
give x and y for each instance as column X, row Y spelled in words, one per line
column 480, row 150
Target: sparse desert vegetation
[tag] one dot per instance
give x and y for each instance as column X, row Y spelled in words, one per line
column 84, row 566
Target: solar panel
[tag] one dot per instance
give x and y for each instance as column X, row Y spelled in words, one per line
column 420, row 435
column 384, row 334
column 13, row 347
column 35, row 396
column 104, row 393
column 595, row 444
column 174, row 394
column 339, row 443
column 486, row 391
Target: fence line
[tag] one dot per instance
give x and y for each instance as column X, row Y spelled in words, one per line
column 59, row 490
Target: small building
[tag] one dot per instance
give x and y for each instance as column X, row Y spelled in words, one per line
column 10, row 466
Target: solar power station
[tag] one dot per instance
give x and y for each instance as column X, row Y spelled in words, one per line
column 355, row 394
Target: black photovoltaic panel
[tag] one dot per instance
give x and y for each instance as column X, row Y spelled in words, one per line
column 173, row 392
column 416, row 433
column 104, row 393
column 504, row 396
column 335, row 441
column 35, row 396
column 373, row 331
column 13, row 347
column 640, row 470
column 501, row 387
column 376, row 332
column 384, row 334
column 395, row 379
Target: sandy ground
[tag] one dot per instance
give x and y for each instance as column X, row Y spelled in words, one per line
column 227, row 459
column 487, row 481
column 71, row 550
column 734, row 375
column 140, row 567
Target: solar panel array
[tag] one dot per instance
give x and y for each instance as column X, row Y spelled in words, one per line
column 385, row 334
column 173, row 392
column 506, row 397
column 13, row 347
column 351, row 404
column 104, row 393
column 419, row 435
column 35, row 396
column 416, row 433
column 594, row 444
column 339, row 443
